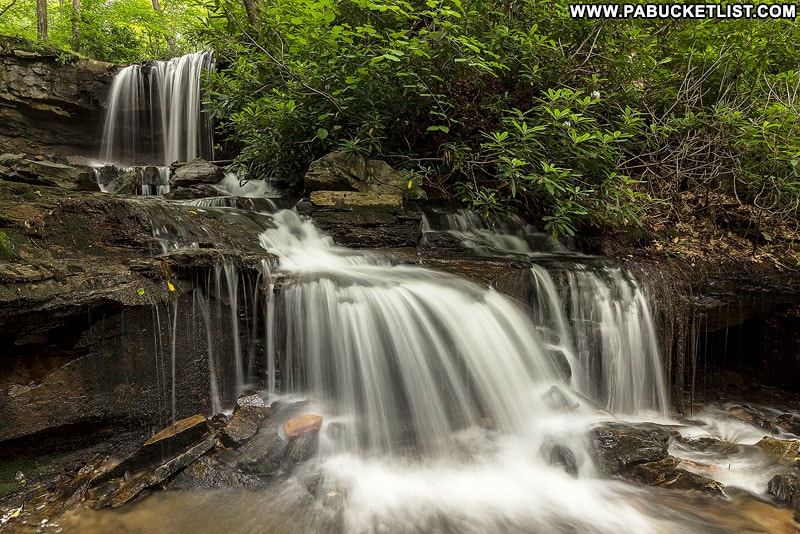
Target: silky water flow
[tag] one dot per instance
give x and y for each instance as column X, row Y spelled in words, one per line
column 444, row 400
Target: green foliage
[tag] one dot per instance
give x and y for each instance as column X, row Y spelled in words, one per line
column 515, row 106
column 119, row 31
column 7, row 252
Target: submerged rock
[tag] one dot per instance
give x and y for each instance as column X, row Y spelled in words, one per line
column 561, row 455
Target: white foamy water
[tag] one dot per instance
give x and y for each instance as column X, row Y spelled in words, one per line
column 446, row 410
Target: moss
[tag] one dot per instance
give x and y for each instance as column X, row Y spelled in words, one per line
column 6, row 249
column 8, row 471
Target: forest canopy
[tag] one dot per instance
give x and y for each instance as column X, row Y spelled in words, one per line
column 510, row 106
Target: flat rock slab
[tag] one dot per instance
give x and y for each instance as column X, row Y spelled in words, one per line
column 354, row 198
column 166, row 444
column 141, row 481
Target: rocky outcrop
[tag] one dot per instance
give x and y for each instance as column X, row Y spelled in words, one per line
column 338, row 171
column 50, row 103
column 87, row 301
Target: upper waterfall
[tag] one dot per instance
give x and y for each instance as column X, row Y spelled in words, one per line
column 154, row 114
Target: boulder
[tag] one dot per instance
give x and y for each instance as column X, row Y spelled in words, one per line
column 197, row 171
column 617, row 447
column 338, row 171
column 261, row 456
column 206, row 472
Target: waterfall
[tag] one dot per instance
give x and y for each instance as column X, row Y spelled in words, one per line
column 595, row 313
column 154, row 114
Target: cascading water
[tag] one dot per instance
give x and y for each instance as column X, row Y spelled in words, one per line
column 155, row 116
column 445, row 403
column 587, row 308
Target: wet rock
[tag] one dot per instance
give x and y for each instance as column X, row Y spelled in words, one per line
column 666, row 474
column 253, row 401
column 348, row 172
column 789, row 423
column 300, row 449
column 779, row 449
column 616, row 447
column 131, row 487
column 218, row 421
column 304, row 424
column 688, row 481
column 654, row 473
column 262, row 455
column 193, row 192
column 561, row 455
column 247, row 417
column 166, row 444
column 366, row 226
column 206, row 472
column 786, row 489
column 197, row 171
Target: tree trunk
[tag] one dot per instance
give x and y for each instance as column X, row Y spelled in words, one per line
column 251, row 8
column 170, row 40
column 76, row 25
column 41, row 19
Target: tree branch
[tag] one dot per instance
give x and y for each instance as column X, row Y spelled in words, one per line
column 9, row 6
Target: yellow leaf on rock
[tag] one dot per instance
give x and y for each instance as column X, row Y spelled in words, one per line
column 170, row 286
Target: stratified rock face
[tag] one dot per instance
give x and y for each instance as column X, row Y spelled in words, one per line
column 49, row 106
column 87, row 312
